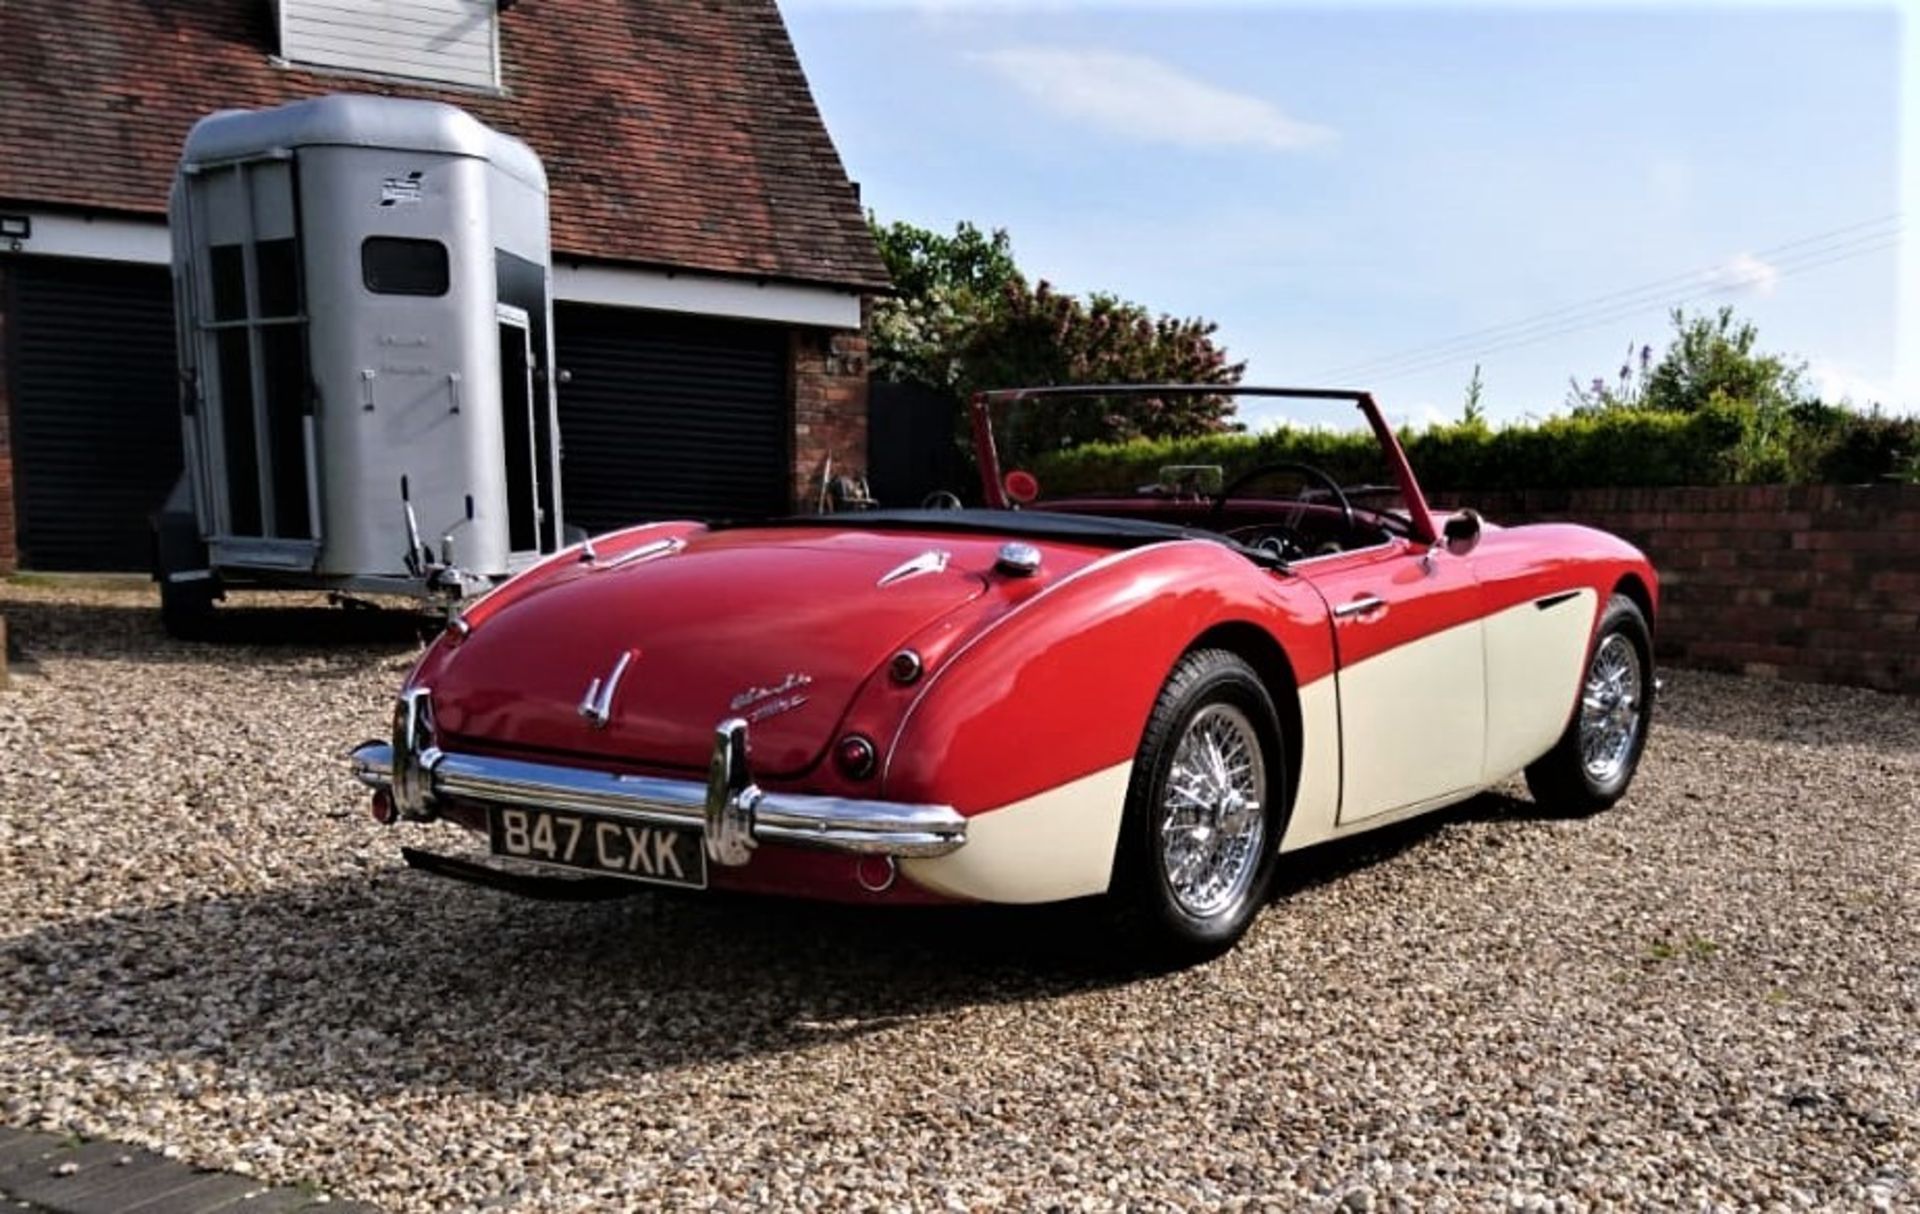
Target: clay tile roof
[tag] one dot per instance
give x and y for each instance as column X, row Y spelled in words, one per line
column 676, row 133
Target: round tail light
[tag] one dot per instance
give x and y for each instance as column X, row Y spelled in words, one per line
column 855, row 756
column 382, row 807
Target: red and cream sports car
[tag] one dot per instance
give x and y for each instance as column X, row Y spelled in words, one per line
column 1145, row 694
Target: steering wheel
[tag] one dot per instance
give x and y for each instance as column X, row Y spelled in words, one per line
column 1308, row 470
column 942, row 499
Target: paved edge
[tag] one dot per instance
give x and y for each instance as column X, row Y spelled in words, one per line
column 55, row 1175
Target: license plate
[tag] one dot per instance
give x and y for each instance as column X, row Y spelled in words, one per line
column 664, row 855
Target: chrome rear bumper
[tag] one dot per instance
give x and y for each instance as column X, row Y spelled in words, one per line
column 735, row 813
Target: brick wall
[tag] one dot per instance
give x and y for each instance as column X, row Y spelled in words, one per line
column 829, row 408
column 9, row 547
column 1809, row 582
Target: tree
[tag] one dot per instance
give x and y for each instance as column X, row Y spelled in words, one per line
column 1473, row 412
column 966, row 319
column 1042, row 336
column 945, row 287
column 1713, row 357
column 923, row 262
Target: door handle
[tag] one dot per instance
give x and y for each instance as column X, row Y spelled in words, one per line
column 1358, row 607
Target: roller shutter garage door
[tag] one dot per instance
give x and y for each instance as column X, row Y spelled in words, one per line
column 667, row 416
column 96, row 432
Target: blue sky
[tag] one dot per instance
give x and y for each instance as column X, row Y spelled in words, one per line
column 1348, row 191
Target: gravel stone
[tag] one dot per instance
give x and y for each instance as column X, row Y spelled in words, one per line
column 1708, row 997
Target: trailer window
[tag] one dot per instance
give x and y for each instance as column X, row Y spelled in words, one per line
column 400, row 265
column 277, row 268
column 227, row 263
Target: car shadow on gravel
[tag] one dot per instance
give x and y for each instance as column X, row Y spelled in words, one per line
column 1327, row 862
column 396, row 981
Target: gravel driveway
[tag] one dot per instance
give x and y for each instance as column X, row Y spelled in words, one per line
column 1708, row 996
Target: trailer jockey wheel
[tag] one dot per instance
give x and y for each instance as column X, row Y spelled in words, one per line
column 189, row 586
column 186, row 608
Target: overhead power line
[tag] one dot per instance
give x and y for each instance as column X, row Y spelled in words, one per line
column 1843, row 242
column 1776, row 270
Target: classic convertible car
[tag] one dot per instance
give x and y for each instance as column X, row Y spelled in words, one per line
column 1145, row 694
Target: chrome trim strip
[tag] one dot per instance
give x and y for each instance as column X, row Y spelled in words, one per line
column 843, row 824
column 645, row 552
column 933, row 560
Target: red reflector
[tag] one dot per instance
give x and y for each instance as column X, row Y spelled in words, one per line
column 1022, row 486
column 382, row 807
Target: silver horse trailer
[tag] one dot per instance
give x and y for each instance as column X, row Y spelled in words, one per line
column 363, row 303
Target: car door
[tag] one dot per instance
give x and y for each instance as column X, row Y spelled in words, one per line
column 1411, row 672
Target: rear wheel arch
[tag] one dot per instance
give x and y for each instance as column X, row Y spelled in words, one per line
column 1258, row 648
column 1180, row 894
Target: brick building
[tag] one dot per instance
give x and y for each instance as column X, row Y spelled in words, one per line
column 710, row 255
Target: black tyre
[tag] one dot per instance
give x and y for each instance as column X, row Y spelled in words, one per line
column 1591, row 765
column 1201, row 833
column 186, row 608
column 188, row 586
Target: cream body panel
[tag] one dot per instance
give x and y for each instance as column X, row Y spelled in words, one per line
column 1054, row 845
column 1535, row 658
column 1316, row 800
column 1413, row 723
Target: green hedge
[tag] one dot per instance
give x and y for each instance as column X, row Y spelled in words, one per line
column 1722, row 444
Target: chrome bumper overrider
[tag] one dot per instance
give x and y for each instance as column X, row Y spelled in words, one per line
column 734, row 813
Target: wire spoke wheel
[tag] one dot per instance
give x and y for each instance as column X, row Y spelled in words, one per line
column 1591, row 765
column 1213, row 817
column 1610, row 708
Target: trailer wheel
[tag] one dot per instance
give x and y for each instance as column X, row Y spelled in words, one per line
column 186, row 602
column 186, row 608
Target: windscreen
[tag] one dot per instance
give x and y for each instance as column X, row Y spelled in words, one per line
column 1308, row 477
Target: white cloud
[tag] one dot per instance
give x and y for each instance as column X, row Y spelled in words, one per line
column 1836, row 383
column 1142, row 98
column 1419, row 415
column 1744, row 272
